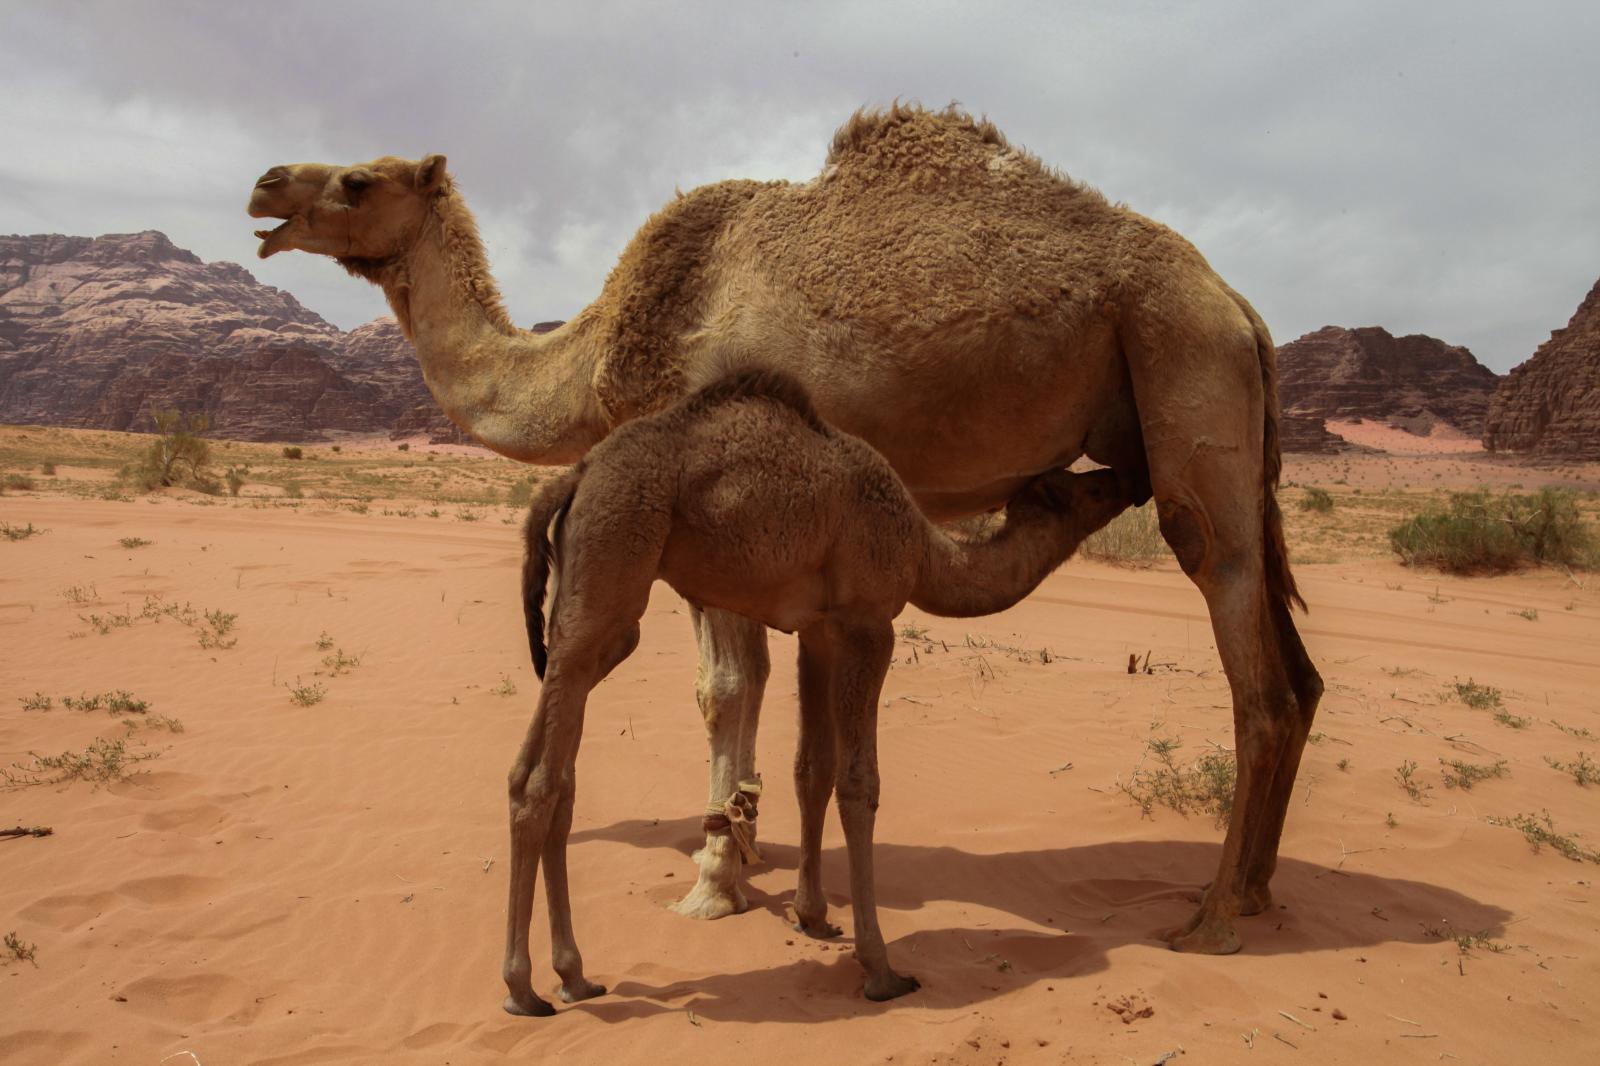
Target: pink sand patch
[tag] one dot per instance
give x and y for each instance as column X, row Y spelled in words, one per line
column 1442, row 440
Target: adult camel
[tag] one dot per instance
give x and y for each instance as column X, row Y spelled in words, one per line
column 974, row 315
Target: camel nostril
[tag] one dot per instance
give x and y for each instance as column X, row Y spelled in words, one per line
column 275, row 176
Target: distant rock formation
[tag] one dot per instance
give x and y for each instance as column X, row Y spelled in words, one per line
column 1309, row 434
column 93, row 331
column 1549, row 406
column 1411, row 382
column 96, row 331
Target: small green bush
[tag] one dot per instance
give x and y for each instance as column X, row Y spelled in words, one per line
column 404, row 446
column 177, row 444
column 1481, row 533
column 292, row 453
column 20, row 482
column 1132, row 538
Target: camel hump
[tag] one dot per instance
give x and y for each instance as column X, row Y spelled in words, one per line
column 875, row 131
column 757, row 383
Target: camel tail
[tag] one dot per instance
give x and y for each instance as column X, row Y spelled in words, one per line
column 542, row 558
column 1280, row 580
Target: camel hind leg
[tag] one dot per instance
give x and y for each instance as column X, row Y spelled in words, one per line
column 595, row 625
column 1198, row 377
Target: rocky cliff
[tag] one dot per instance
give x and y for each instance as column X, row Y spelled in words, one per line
column 94, row 331
column 1368, row 373
column 1550, row 405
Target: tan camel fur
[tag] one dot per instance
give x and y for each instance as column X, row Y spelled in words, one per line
column 974, row 315
column 741, row 498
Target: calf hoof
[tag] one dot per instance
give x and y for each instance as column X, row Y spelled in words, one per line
column 528, row 1006
column 891, row 986
column 575, row 992
column 818, row 930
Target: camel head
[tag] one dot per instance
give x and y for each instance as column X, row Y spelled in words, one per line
column 1091, row 499
column 367, row 212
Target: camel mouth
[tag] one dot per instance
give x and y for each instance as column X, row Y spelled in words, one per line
column 273, row 240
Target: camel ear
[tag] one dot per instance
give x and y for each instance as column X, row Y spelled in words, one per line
column 430, row 173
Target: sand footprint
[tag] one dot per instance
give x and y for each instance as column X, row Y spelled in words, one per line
column 66, row 913
column 199, row 997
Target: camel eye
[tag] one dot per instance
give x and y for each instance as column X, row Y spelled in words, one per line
column 357, row 180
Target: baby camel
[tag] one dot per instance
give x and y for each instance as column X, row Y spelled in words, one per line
column 741, row 497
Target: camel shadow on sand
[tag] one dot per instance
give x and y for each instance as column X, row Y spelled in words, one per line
column 1106, row 896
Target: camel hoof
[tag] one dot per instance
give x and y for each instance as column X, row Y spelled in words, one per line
column 891, row 987
column 1206, row 941
column 820, row 931
column 530, row 1007
column 708, row 904
column 587, row 990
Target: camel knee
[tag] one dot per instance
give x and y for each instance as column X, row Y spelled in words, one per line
column 723, row 690
column 857, row 789
column 536, row 790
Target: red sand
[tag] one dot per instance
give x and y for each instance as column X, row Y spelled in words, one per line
column 292, row 884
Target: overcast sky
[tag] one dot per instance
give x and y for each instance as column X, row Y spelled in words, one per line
column 1430, row 168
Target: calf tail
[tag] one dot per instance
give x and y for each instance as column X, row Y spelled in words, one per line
column 542, row 554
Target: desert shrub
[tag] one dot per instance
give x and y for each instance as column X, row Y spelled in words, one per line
column 293, row 491
column 1132, row 538
column 20, row 482
column 404, row 446
column 1482, row 533
column 47, row 469
column 101, row 762
column 337, row 448
column 1204, row 785
column 11, row 532
column 235, row 479
column 177, row 446
column 292, row 452
column 1316, row 500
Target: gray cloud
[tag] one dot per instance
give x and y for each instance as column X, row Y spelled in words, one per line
column 1423, row 167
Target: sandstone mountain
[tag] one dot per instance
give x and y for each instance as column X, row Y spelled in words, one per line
column 1413, row 382
column 96, row 331
column 1550, row 405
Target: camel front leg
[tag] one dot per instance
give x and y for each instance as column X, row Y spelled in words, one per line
column 814, row 760
column 860, row 660
column 732, row 674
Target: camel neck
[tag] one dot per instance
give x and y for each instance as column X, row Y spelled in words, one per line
column 525, row 395
column 966, row 579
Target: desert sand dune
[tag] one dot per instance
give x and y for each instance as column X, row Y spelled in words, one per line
column 292, row 883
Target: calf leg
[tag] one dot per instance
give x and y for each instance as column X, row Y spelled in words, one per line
column 862, row 654
column 814, row 762
column 540, row 778
column 595, row 625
